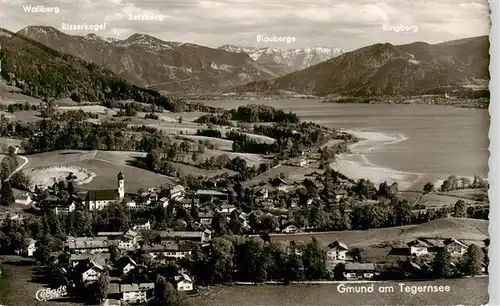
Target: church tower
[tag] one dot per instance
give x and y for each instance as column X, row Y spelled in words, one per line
column 121, row 185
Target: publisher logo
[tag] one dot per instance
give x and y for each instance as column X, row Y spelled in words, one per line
column 50, row 294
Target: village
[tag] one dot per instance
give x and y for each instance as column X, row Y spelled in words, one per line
column 125, row 257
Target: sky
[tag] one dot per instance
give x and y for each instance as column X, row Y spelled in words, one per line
column 346, row 24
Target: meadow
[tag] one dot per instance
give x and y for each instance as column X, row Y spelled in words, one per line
column 466, row 291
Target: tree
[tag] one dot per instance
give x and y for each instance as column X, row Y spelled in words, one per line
column 219, row 224
column 6, row 194
column 235, row 223
column 166, row 295
column 42, row 252
column 442, row 264
column 314, row 260
column 473, row 260
column 293, row 267
column 428, row 187
column 102, row 288
column 180, row 119
column 460, row 209
column 338, row 272
column 221, row 260
column 402, row 212
column 384, row 190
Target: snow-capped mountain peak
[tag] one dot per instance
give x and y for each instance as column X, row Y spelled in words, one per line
column 287, row 60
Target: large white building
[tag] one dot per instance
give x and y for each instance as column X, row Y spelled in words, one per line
column 98, row 199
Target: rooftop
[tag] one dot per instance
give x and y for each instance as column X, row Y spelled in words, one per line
column 182, row 234
column 136, row 287
column 102, row 195
column 87, row 242
column 210, row 192
column 359, row 266
column 167, row 247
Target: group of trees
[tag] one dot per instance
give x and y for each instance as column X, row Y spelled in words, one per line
column 74, row 134
column 209, row 133
column 232, row 258
column 16, row 107
column 262, row 113
column 471, row 263
column 78, row 115
column 454, row 183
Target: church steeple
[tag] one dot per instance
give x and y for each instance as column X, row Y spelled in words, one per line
column 121, row 185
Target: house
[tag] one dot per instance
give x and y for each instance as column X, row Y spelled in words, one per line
column 419, row 247
column 206, row 218
column 142, row 227
column 455, row 247
column 24, row 199
column 87, row 244
column 110, row 235
column 125, row 264
column 278, row 182
column 225, row 209
column 290, row 229
column 210, row 195
column 194, row 236
column 300, row 162
column 170, row 250
column 337, row 251
column 187, row 203
column 177, row 192
column 424, row 246
column 112, row 302
column 64, row 208
column 356, row 270
column 129, row 241
column 340, row 194
column 76, row 259
column 262, row 194
column 131, row 204
column 31, row 248
column 244, row 220
column 183, row 282
column 92, row 268
column 98, row 199
column 136, row 293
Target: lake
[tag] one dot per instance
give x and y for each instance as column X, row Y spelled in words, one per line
column 411, row 144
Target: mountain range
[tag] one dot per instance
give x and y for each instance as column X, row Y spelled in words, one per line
column 380, row 69
column 179, row 67
column 42, row 72
column 386, row 69
column 286, row 61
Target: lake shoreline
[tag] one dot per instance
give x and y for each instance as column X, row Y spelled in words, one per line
column 356, row 164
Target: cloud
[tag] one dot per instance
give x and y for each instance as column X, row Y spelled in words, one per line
column 339, row 24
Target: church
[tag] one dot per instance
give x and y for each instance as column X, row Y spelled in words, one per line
column 98, row 199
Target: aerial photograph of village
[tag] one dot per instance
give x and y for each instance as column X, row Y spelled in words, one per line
column 245, row 153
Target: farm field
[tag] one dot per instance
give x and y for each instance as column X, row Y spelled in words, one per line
column 19, row 287
column 194, row 171
column 459, row 228
column 105, row 166
column 449, row 198
column 292, row 173
column 468, row 291
column 25, row 116
column 96, row 109
column 221, row 144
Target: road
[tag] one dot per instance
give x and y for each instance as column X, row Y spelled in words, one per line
column 18, row 168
